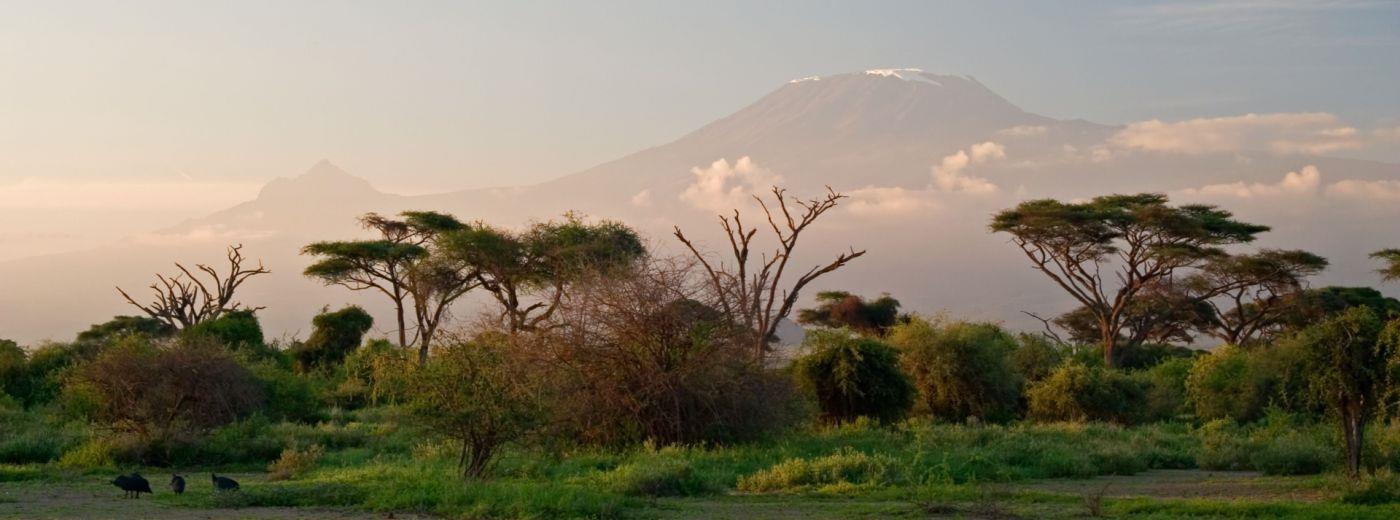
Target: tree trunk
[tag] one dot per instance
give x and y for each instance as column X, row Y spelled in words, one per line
column 1353, row 430
column 1109, row 338
column 423, row 348
column 403, row 332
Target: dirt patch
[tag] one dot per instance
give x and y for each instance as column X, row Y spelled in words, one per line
column 1201, row 484
column 48, row 500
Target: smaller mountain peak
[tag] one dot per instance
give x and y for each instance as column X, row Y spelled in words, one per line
column 324, row 168
column 323, row 179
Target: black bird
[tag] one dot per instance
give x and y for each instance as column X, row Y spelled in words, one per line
column 177, row 484
column 223, row 483
column 132, row 484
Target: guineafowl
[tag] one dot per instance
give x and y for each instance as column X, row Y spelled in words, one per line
column 177, row 484
column 223, row 483
column 132, row 484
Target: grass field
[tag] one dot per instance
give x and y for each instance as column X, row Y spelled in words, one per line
column 913, row 470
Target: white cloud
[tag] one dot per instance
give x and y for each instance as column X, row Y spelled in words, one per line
column 949, row 176
column 207, row 233
column 1302, row 182
column 36, row 194
column 642, row 199
column 1023, row 131
column 1385, row 191
column 722, row 187
column 877, row 201
column 1310, row 133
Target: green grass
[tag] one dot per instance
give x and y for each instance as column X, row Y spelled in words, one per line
column 913, row 469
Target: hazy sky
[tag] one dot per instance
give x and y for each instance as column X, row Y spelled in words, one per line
column 101, row 97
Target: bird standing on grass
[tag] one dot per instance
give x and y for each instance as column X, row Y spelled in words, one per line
column 223, row 483
column 177, row 484
column 133, row 484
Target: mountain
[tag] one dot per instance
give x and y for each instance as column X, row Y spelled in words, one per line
column 925, row 158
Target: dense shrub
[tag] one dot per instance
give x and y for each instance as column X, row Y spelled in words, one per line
column 96, row 452
column 960, row 369
column 1077, row 393
column 854, row 377
column 122, row 326
column 48, row 367
column 286, row 395
column 1280, row 444
column 631, row 359
column 238, row 331
column 478, row 395
column 1166, row 389
column 295, row 462
column 166, row 393
column 1292, row 453
column 333, row 337
column 12, row 369
column 1035, row 357
column 381, row 372
column 1241, row 383
column 1148, row 355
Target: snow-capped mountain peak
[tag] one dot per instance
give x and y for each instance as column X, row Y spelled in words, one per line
column 906, row 74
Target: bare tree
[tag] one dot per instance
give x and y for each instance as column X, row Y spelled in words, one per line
column 183, row 300
column 754, row 295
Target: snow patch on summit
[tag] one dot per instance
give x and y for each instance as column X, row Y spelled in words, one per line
column 917, row 75
column 808, row 78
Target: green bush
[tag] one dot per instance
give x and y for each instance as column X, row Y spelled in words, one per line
column 1374, row 491
column 1219, row 386
column 842, row 469
column 1078, row 393
column 295, row 462
column 1292, row 454
column 1035, row 357
column 1224, row 446
column 655, row 477
column 1166, row 389
column 49, row 366
column 960, row 369
column 122, row 326
column 853, row 376
column 334, row 336
column 35, row 435
column 287, row 395
column 12, row 369
column 97, row 452
column 1241, row 383
column 384, row 371
column 239, row 331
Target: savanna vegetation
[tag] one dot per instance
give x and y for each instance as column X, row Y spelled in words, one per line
column 603, row 379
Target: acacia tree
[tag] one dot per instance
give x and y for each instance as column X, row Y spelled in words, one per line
column 1391, row 257
column 1351, row 357
column 1147, row 239
column 529, row 273
column 843, row 309
column 1161, row 313
column 1251, row 295
column 184, row 300
column 755, row 296
column 400, row 264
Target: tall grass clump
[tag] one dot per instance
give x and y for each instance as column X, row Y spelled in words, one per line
column 842, row 469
